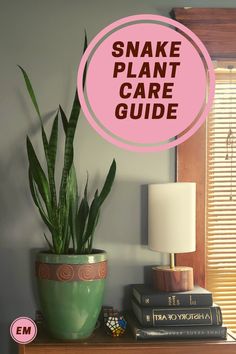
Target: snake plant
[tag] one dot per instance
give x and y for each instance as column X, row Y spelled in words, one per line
column 71, row 221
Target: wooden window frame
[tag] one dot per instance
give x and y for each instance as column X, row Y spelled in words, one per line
column 216, row 27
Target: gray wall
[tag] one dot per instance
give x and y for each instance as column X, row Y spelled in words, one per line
column 46, row 38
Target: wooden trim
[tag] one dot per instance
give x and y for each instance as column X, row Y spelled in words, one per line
column 204, row 15
column 21, row 349
column 211, row 348
column 191, row 159
column 217, row 29
column 101, row 343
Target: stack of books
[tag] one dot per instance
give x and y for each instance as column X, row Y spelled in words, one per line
column 189, row 314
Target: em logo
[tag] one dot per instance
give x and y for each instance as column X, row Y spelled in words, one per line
column 23, row 330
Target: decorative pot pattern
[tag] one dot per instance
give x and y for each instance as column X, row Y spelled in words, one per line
column 71, row 289
column 71, row 272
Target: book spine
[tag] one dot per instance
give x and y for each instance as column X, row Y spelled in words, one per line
column 153, row 317
column 173, row 300
column 181, row 332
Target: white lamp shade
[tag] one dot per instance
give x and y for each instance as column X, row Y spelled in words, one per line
column 172, row 217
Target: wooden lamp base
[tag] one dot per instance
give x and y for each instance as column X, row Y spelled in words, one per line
column 172, row 279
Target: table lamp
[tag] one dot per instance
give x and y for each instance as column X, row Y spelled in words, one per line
column 172, row 229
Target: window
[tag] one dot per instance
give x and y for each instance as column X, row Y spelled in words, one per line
column 221, row 194
column 214, row 262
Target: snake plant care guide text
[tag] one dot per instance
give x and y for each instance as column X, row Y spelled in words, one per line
column 154, row 75
column 146, row 83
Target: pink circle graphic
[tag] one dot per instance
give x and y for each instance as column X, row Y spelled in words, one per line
column 148, row 87
column 23, row 330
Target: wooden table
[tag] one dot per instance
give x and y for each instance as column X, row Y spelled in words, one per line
column 100, row 343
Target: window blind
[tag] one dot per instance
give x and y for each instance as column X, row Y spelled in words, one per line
column 221, row 196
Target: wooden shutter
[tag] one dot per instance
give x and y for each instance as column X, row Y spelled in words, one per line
column 221, row 195
column 216, row 28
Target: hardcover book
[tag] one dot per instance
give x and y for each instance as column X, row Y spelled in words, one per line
column 146, row 296
column 178, row 316
column 183, row 332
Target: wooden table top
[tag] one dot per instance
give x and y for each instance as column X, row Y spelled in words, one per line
column 101, row 343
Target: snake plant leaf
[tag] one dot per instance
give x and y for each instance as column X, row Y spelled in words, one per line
column 66, row 236
column 44, row 138
column 90, row 240
column 37, row 201
column 73, row 210
column 85, row 47
column 69, row 152
column 108, row 182
column 30, row 91
column 64, row 119
column 39, row 176
column 44, row 217
column 50, row 168
column 92, row 218
column 96, row 193
column 75, row 110
column 85, row 41
column 72, row 189
column 70, row 132
column 86, row 187
column 72, row 202
column 96, row 205
column 49, row 243
column 81, row 220
column 52, row 146
column 68, row 212
column 67, row 241
column 65, row 228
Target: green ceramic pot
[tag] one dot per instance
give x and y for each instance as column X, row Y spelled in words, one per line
column 71, row 289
